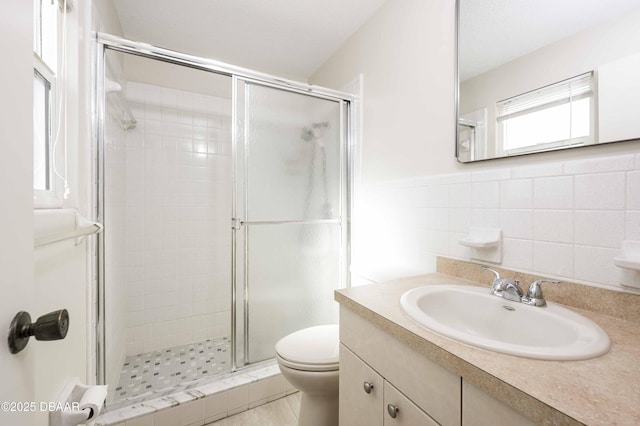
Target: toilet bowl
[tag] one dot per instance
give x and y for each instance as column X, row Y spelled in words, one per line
column 308, row 359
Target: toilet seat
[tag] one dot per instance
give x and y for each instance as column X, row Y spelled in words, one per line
column 310, row 349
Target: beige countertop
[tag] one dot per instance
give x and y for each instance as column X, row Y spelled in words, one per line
column 600, row 391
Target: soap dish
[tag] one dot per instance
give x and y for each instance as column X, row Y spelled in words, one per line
column 484, row 243
column 630, row 256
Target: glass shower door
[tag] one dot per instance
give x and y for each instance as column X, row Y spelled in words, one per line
column 290, row 230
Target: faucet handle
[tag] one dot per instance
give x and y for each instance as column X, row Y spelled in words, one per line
column 534, row 294
column 497, row 274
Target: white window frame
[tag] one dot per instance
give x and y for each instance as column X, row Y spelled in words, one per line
column 46, row 58
column 533, row 101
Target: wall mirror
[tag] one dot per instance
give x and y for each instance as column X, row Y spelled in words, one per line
column 546, row 75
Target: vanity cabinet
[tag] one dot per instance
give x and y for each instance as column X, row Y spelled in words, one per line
column 481, row 409
column 424, row 392
column 367, row 399
column 378, row 370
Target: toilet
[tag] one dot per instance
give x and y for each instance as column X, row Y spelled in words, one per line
column 308, row 359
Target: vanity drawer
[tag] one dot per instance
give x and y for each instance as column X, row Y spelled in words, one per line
column 433, row 388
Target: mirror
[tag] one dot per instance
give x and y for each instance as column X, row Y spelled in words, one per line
column 546, row 75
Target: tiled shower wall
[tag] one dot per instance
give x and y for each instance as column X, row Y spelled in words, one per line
column 561, row 219
column 177, row 224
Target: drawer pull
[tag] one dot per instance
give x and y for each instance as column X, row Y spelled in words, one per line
column 368, row 387
column 393, row 410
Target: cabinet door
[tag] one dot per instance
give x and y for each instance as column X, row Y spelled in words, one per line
column 400, row 411
column 361, row 391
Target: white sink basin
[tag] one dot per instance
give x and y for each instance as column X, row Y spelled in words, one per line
column 473, row 316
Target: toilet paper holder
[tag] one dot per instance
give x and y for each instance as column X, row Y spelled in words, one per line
column 78, row 403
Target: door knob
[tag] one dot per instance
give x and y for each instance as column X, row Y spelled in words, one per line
column 51, row 326
column 393, row 410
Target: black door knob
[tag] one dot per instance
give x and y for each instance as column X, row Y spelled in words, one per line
column 51, row 326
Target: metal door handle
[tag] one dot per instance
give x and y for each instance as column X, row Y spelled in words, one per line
column 368, row 387
column 51, row 326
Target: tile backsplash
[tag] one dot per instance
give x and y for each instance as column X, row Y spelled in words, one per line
column 562, row 219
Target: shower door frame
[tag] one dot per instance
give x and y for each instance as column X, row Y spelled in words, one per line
column 347, row 101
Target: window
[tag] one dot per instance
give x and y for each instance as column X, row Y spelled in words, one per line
column 45, row 98
column 551, row 117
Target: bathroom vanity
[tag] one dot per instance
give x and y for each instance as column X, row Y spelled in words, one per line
column 390, row 366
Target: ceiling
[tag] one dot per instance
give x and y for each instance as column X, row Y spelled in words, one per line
column 288, row 38
column 494, row 32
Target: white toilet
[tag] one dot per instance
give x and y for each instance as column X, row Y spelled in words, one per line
column 308, row 359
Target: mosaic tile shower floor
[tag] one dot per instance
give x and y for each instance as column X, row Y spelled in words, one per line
column 152, row 371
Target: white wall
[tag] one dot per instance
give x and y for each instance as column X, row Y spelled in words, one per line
column 417, row 200
column 406, row 55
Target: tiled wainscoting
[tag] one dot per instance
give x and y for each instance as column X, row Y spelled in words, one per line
column 206, row 403
column 562, row 219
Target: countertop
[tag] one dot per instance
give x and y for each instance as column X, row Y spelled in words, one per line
column 599, row 391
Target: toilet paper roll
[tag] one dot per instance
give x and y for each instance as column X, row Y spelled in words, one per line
column 93, row 398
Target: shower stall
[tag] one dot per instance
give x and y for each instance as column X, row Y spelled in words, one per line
column 225, row 199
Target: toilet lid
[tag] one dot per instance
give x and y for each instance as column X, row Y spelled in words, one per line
column 312, row 349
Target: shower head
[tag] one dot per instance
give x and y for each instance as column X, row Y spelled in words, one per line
column 313, row 132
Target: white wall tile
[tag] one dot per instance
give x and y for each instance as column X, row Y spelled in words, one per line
column 599, row 228
column 595, row 264
column 633, row 190
column 456, row 249
column 600, row 164
column 490, row 175
column 438, row 196
column 459, row 219
column 485, row 195
column 553, row 193
column 544, row 210
column 517, row 254
column 554, row 259
column 539, row 170
column 553, row 225
column 516, row 194
column 600, row 191
column 460, row 195
column 455, row 178
column 171, row 184
column 485, row 218
column 632, row 225
column 516, row 223
column 437, row 219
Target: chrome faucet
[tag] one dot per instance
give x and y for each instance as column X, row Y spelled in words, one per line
column 505, row 288
column 534, row 295
column 510, row 290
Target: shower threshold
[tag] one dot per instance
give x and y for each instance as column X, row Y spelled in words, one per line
column 143, row 375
